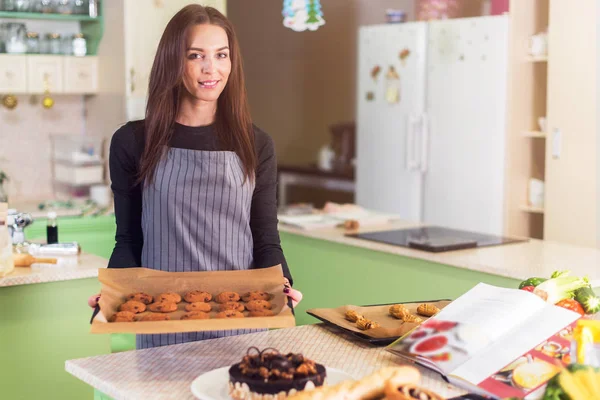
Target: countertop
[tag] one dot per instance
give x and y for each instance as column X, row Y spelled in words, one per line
column 517, row 260
column 67, row 268
column 168, row 372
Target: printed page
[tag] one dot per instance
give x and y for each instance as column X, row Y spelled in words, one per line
column 469, row 324
column 524, row 358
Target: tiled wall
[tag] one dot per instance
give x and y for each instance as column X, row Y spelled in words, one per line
column 25, row 142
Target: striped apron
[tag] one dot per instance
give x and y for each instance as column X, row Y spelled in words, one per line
column 196, row 217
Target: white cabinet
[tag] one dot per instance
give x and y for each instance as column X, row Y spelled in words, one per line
column 81, row 74
column 45, row 73
column 13, row 74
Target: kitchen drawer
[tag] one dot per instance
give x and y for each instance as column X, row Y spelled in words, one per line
column 45, row 73
column 81, row 75
column 13, row 74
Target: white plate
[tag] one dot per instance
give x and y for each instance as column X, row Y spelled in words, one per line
column 214, row 385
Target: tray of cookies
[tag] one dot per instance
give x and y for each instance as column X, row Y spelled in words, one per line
column 141, row 300
column 379, row 324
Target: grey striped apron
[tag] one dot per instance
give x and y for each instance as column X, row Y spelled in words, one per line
column 196, row 217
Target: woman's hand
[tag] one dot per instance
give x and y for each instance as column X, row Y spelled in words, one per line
column 292, row 293
column 93, row 302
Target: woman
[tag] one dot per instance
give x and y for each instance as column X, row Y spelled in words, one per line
column 195, row 182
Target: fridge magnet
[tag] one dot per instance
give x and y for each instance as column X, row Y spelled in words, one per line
column 375, row 72
column 392, row 86
column 370, row 96
column 404, row 55
column 302, row 15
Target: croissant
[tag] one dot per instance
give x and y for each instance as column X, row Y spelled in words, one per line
column 408, row 391
column 412, row 318
column 398, row 311
column 427, row 310
column 353, row 316
column 366, row 324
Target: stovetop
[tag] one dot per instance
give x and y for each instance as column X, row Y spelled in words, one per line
column 436, row 239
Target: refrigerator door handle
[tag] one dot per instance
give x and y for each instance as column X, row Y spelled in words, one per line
column 424, row 142
column 410, row 144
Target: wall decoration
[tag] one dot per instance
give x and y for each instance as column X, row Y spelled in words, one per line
column 301, row 15
column 404, row 55
column 375, row 72
column 370, row 96
column 392, row 86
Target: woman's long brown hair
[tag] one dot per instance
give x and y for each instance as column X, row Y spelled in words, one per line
column 233, row 123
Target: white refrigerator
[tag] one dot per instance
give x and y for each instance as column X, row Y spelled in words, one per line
column 431, row 118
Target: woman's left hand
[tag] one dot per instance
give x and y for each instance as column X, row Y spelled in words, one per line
column 292, row 293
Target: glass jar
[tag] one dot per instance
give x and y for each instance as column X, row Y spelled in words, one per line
column 80, row 7
column 64, row 6
column 79, row 45
column 45, row 6
column 53, row 43
column 33, row 43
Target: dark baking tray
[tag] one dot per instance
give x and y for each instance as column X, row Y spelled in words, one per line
column 368, row 339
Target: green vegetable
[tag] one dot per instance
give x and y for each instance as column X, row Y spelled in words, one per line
column 588, row 299
column 561, row 286
column 531, row 282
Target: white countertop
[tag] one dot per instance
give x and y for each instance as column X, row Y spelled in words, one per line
column 168, row 372
column 518, row 260
column 67, row 268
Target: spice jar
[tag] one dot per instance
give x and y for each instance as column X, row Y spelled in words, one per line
column 64, row 6
column 53, row 43
column 33, row 42
column 79, row 45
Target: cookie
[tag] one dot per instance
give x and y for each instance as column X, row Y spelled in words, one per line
column 365, row 324
column 123, row 316
column 198, row 306
column 227, row 297
column 257, row 305
column 195, row 315
column 141, row 297
column 197, row 296
column 261, row 313
column 170, row 297
column 256, row 295
column 163, row 306
column 353, row 316
column 230, row 314
column 133, row 306
column 231, row 305
column 427, row 310
column 155, row 317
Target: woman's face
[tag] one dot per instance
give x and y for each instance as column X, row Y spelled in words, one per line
column 207, row 65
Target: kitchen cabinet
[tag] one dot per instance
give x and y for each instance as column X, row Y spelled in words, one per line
column 13, row 74
column 45, row 73
column 81, row 74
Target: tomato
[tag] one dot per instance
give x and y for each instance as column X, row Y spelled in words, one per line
column 440, row 326
column 431, row 344
column 528, row 288
column 572, row 305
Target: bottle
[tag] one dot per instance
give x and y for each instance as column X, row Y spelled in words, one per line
column 52, row 229
column 93, row 8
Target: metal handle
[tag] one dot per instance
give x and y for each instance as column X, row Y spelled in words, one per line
column 132, row 76
column 410, row 144
column 424, row 142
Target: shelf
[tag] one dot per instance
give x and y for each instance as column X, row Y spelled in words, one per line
column 48, row 17
column 534, row 134
column 530, row 209
column 536, row 58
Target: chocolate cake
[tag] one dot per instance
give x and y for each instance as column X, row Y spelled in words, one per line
column 270, row 375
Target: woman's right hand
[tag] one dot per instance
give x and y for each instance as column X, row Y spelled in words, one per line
column 93, row 302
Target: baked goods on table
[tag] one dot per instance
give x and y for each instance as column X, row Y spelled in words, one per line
column 198, row 304
column 428, row 310
column 390, row 383
column 268, row 374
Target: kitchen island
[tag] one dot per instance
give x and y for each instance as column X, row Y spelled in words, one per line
column 169, row 371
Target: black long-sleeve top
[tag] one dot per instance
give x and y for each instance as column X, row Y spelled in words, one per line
column 126, row 149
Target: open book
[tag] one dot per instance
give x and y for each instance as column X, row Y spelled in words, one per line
column 494, row 341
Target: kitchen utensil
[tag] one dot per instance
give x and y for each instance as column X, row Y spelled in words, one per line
column 26, row 260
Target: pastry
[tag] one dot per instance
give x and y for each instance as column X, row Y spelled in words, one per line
column 256, row 295
column 195, row 315
column 399, row 311
column 257, row 305
column 170, row 296
column 365, row 324
column 412, row 318
column 408, row 391
column 198, row 306
column 133, row 306
column 230, row 314
column 261, row 313
column 269, row 374
column 226, row 297
column 141, row 297
column 197, row 296
column 155, row 317
column 353, row 316
column 123, row 316
column 231, row 305
column 427, row 310
column 163, row 306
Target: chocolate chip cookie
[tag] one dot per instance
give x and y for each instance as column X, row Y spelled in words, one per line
column 256, row 295
column 198, row 306
column 133, row 306
column 163, row 306
column 197, row 296
column 230, row 314
column 226, row 297
column 123, row 316
column 170, row 297
column 195, row 315
column 141, row 297
column 155, row 317
column 261, row 313
column 231, row 305
column 258, row 305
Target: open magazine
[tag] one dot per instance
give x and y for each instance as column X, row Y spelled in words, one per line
column 494, row 341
